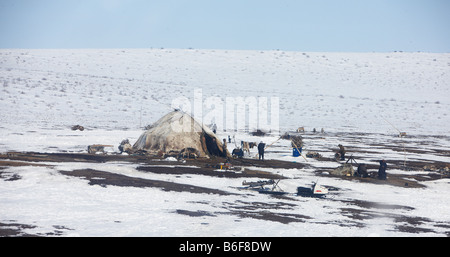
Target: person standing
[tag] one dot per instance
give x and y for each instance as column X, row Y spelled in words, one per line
column 225, row 147
column 261, row 147
column 382, row 170
column 341, row 152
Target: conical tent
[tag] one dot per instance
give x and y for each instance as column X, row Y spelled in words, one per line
column 178, row 131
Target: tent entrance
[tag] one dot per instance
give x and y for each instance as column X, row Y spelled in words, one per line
column 211, row 145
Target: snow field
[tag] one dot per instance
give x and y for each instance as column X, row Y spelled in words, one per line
column 114, row 93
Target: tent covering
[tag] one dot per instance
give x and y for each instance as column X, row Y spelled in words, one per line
column 177, row 132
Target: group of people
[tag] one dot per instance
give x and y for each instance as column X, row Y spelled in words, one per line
column 340, row 155
column 239, row 152
column 362, row 168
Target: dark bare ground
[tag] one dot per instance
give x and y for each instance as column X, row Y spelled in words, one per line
column 376, row 205
column 33, row 157
column 208, row 172
column 9, row 176
column 284, row 218
column 206, row 166
column 404, row 223
column 14, row 229
column 104, row 179
column 406, row 181
column 262, row 210
column 257, row 210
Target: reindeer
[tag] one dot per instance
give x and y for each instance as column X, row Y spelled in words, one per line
column 300, row 130
column 246, row 147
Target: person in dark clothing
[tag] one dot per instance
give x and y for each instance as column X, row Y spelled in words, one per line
column 382, row 170
column 224, row 153
column 213, row 149
column 237, row 152
column 342, row 152
column 261, row 147
column 362, row 171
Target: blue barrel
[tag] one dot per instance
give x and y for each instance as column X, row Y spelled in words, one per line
column 295, row 152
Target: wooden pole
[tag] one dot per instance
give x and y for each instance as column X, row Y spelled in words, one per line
column 299, row 151
column 256, row 156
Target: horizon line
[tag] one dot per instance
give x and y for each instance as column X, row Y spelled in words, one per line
column 215, row 49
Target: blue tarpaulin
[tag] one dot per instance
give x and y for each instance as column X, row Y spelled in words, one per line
column 296, row 152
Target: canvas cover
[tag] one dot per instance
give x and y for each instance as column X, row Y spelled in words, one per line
column 178, row 131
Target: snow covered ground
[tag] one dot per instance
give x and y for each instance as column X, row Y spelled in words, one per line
column 114, row 93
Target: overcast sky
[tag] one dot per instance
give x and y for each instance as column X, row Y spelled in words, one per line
column 292, row 25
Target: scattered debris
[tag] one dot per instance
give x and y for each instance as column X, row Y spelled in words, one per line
column 125, row 146
column 258, row 133
column 260, row 187
column 344, row 170
column 93, row 149
column 259, row 183
column 296, row 141
column 170, row 159
column 314, row 155
column 188, row 153
column 78, row 127
column 429, row 167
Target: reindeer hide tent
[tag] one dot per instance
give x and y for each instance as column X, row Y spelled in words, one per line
column 177, row 132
